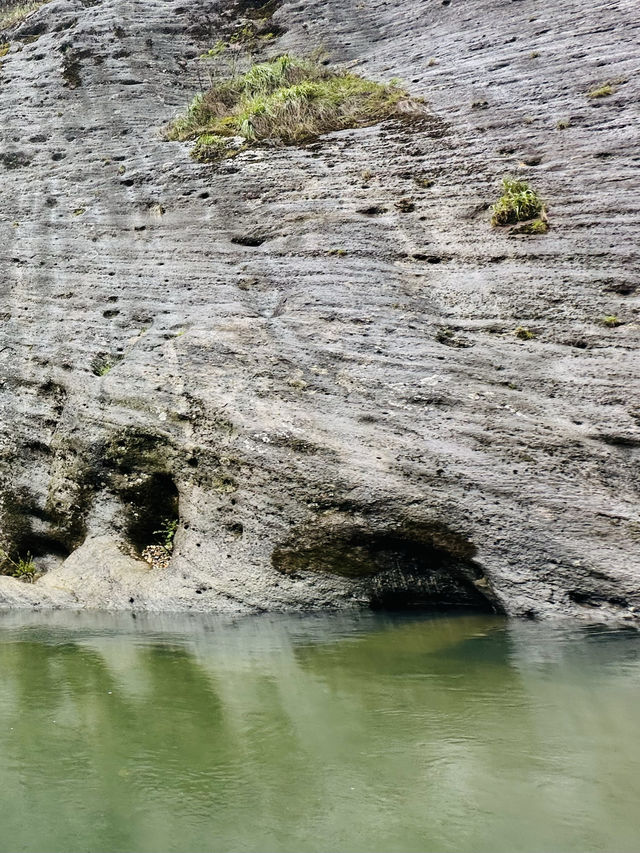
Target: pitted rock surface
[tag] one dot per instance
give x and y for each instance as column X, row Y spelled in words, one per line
column 312, row 348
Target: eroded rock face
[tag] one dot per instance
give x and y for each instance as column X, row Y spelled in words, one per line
column 307, row 354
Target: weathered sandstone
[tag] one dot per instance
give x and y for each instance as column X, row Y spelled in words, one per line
column 308, row 353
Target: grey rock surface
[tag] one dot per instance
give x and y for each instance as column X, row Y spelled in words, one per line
column 307, row 354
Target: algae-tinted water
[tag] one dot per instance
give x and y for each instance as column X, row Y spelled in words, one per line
column 334, row 733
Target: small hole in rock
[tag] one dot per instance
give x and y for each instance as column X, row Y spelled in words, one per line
column 251, row 240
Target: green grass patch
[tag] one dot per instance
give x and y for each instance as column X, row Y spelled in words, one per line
column 102, row 364
column 23, row 569
column 166, row 533
column 290, row 99
column 611, row 321
column 524, row 334
column 535, row 226
column 518, row 203
column 15, row 13
column 210, row 147
column 601, row 91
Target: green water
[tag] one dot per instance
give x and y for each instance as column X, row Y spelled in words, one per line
column 334, row 733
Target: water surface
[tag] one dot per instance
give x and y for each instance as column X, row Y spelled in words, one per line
column 321, row 733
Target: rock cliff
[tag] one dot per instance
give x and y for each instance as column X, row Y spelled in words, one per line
column 306, row 356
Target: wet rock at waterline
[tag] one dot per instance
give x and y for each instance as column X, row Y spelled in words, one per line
column 316, row 375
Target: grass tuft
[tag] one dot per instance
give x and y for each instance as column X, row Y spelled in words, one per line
column 535, row 226
column 210, row 147
column 15, row 13
column 290, row 99
column 611, row 321
column 22, row 569
column 524, row 334
column 517, row 204
column 601, row 91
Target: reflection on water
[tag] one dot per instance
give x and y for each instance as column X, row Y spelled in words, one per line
column 324, row 733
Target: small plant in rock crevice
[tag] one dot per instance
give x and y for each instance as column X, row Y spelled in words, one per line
column 608, row 87
column 103, row 363
column 23, row 569
column 289, row 99
column 611, row 321
column 167, row 532
column 601, row 91
column 518, row 203
column 159, row 554
column 524, row 334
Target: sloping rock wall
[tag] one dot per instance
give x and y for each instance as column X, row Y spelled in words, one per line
column 308, row 354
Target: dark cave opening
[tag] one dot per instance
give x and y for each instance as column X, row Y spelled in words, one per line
column 418, row 567
column 29, row 530
column 41, row 545
column 152, row 511
column 414, row 575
